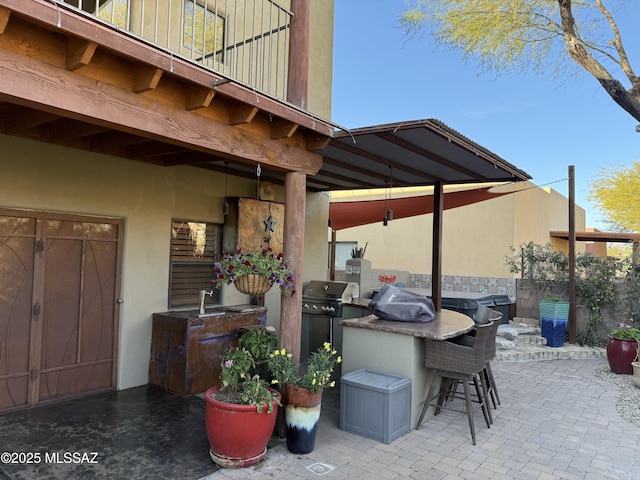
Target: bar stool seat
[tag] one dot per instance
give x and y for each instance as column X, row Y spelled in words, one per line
column 454, row 362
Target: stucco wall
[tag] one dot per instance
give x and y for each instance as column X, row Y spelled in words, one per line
column 475, row 238
column 321, row 57
column 40, row 176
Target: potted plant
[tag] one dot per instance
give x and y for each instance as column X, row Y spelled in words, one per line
column 254, row 273
column 554, row 314
column 622, row 348
column 260, row 341
column 240, row 413
column 303, row 392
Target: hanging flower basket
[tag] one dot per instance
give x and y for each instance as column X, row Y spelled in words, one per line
column 252, row 284
column 261, row 269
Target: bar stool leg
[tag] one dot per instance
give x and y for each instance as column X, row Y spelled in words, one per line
column 492, row 381
column 467, row 401
column 427, row 401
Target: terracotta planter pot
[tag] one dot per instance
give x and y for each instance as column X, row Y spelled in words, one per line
column 302, row 413
column 620, row 353
column 238, row 434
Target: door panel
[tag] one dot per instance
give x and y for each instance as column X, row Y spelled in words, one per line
column 68, row 347
column 17, row 251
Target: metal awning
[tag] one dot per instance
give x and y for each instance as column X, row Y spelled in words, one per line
column 413, row 153
column 613, row 237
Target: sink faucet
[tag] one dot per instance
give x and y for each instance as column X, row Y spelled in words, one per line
column 203, row 293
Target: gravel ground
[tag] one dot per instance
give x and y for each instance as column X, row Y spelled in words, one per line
column 628, row 405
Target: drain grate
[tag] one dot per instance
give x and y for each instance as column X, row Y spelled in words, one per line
column 320, row 468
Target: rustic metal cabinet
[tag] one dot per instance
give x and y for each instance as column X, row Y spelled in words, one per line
column 186, row 348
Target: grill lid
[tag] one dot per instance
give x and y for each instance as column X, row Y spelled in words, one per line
column 329, row 291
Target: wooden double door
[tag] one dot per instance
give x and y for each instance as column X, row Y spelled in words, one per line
column 59, row 306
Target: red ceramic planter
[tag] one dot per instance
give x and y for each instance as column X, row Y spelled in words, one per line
column 620, row 353
column 238, row 434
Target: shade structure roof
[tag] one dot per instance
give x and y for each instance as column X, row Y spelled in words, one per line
column 363, row 212
column 412, row 153
column 613, row 237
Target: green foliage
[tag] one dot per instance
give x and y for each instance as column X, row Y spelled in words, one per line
column 237, row 386
column 265, row 263
column 615, row 193
column 255, row 392
column 543, row 35
column 260, row 342
column 359, row 252
column 234, row 365
column 286, row 369
column 595, row 281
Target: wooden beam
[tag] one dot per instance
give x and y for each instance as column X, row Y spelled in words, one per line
column 68, row 129
column 145, row 77
column 240, row 113
column 79, row 52
column 316, row 142
column 36, row 84
column 198, row 97
column 282, row 129
column 73, row 24
column 5, row 13
column 25, row 119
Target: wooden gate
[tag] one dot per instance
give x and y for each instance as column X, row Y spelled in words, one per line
column 59, row 291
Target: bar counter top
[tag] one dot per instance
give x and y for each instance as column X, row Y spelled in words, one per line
column 447, row 324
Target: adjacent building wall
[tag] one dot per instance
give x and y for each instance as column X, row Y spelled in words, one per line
column 475, row 238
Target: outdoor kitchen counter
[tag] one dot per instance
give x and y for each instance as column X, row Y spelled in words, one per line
column 398, row 348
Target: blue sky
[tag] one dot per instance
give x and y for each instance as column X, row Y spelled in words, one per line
column 538, row 124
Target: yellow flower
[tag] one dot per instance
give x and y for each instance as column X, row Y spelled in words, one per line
column 277, row 352
column 313, row 382
column 289, row 355
column 333, row 352
column 274, row 381
column 332, row 384
column 339, row 360
column 283, row 352
column 327, row 346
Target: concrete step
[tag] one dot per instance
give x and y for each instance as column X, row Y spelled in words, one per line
column 520, row 340
column 525, row 353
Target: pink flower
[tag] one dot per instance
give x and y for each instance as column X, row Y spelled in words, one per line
column 228, row 363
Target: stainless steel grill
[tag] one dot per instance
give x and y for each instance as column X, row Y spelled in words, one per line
column 322, row 305
column 326, row 298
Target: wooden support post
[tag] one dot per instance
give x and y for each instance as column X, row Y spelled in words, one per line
column 295, row 186
column 298, row 74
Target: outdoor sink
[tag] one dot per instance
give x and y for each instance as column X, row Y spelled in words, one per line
column 217, row 313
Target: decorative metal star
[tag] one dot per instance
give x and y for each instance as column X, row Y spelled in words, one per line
column 269, row 224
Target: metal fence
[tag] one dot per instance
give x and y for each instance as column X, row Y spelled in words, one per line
column 244, row 40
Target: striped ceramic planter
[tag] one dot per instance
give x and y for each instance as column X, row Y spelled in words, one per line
column 302, row 414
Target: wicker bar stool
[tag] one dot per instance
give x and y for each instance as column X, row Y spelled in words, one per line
column 483, row 315
column 455, row 362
